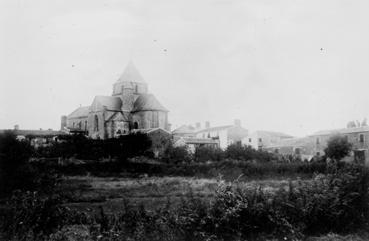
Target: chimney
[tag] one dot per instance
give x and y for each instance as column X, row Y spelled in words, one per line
column 16, row 127
column 237, row 122
column 207, row 124
column 63, row 122
column 198, row 125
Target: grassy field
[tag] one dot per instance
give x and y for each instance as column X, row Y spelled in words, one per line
column 86, row 193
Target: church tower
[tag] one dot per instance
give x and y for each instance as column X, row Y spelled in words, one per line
column 130, row 78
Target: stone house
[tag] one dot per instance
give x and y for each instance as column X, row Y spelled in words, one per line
column 261, row 139
column 226, row 135
column 129, row 107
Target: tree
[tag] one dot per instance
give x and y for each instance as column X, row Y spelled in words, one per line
column 338, row 147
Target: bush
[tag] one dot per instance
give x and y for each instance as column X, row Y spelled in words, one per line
column 338, row 147
column 15, row 171
column 205, row 154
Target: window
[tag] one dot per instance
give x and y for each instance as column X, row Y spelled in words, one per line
column 73, row 124
column 80, row 125
column 250, row 139
column 96, row 123
column 361, row 138
column 135, row 125
column 260, row 140
column 346, row 138
column 208, row 135
column 154, row 119
column 318, row 153
column 297, row 151
column 85, row 125
column 276, row 151
column 136, row 89
column 317, row 141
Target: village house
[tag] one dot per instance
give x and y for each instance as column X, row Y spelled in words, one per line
column 261, row 139
column 226, row 135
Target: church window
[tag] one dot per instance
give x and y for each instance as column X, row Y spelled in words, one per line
column 154, row 119
column 96, row 123
column 135, row 125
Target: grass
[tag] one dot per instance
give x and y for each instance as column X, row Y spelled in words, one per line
column 88, row 193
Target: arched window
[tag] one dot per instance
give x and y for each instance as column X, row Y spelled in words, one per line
column 135, row 125
column 96, row 123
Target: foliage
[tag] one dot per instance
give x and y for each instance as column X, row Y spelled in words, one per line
column 176, row 154
column 84, row 148
column 15, row 171
column 338, row 147
column 205, row 154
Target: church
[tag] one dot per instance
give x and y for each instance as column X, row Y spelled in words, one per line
column 129, row 109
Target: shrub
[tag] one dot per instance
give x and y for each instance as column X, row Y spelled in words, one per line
column 205, row 154
column 15, row 171
column 338, row 147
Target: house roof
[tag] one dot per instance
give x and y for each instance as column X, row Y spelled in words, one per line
column 150, row 130
column 190, row 140
column 110, row 102
column 273, row 133
column 80, row 112
column 298, row 141
column 131, row 74
column 341, row 131
column 184, row 129
column 147, row 102
column 216, row 128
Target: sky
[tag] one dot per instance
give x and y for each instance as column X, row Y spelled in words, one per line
column 295, row 66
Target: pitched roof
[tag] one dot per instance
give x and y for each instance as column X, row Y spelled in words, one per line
column 341, row 131
column 147, row 102
column 80, row 112
column 274, row 133
column 131, row 74
column 190, row 140
column 184, row 129
column 110, row 102
column 216, row 128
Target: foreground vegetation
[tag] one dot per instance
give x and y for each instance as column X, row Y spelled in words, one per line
column 199, row 205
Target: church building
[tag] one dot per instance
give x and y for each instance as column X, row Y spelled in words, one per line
column 130, row 108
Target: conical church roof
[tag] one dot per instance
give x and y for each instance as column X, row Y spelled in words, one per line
column 131, row 74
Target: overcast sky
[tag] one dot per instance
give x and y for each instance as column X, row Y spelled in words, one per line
column 295, row 66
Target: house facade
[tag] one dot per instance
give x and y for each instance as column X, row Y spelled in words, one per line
column 315, row 144
column 262, row 139
column 226, row 135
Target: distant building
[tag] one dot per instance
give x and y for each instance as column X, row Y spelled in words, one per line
column 226, row 135
column 192, row 142
column 314, row 145
column 130, row 107
column 262, row 139
column 37, row 138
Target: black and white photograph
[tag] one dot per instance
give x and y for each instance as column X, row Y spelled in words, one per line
column 184, row 120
